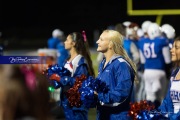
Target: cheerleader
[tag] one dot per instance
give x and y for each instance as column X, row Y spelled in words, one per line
column 78, row 63
column 118, row 72
column 171, row 103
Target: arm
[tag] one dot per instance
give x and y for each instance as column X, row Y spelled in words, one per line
column 135, row 53
column 142, row 58
column 166, row 54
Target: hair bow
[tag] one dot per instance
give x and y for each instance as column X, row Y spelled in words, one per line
column 84, row 35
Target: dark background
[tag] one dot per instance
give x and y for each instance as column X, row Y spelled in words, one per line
column 28, row 24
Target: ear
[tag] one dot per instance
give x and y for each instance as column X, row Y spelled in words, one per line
column 110, row 45
column 73, row 43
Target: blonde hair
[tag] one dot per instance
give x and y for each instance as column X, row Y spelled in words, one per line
column 117, row 40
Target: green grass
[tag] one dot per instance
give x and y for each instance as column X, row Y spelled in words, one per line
column 95, row 63
column 92, row 114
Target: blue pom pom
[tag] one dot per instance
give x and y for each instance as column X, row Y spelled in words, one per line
column 87, row 91
column 56, row 69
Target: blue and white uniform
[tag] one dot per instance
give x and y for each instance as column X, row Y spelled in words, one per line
column 171, row 103
column 62, row 54
column 132, row 50
column 77, row 67
column 171, row 41
column 119, row 76
column 52, row 42
column 155, row 54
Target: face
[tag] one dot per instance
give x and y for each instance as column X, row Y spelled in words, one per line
column 175, row 51
column 134, row 35
column 69, row 43
column 103, row 43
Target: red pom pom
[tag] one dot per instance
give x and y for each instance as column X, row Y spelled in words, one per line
column 137, row 107
column 73, row 94
column 55, row 77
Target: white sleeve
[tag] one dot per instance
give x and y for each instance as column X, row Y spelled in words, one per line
column 166, row 54
column 135, row 53
column 142, row 59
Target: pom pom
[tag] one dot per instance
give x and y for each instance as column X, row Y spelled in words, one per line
column 137, row 107
column 54, row 84
column 82, row 93
column 144, row 110
column 54, row 74
column 87, row 91
column 96, row 84
column 55, row 77
column 73, row 93
column 88, row 97
column 56, row 69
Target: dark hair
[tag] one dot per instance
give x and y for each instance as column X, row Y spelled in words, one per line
column 24, row 101
column 177, row 38
column 176, row 63
column 82, row 48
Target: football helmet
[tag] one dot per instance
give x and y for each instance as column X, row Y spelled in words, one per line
column 154, row 31
column 57, row 33
column 168, row 30
column 145, row 25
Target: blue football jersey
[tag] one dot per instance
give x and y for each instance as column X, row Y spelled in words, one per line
column 152, row 51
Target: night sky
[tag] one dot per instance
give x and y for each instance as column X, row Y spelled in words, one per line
column 32, row 19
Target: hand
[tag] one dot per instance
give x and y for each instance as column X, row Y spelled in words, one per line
column 55, row 77
column 95, row 93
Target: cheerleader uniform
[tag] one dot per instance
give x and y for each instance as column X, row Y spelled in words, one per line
column 77, row 67
column 170, row 106
column 119, row 76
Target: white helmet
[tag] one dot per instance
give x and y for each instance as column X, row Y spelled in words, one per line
column 154, row 30
column 57, row 33
column 145, row 25
column 140, row 32
column 168, row 30
column 126, row 23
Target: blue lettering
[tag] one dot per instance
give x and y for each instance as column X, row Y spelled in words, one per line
column 176, row 95
column 172, row 94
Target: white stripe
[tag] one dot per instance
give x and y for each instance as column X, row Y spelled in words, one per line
column 113, row 104
column 122, row 60
column 75, row 62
